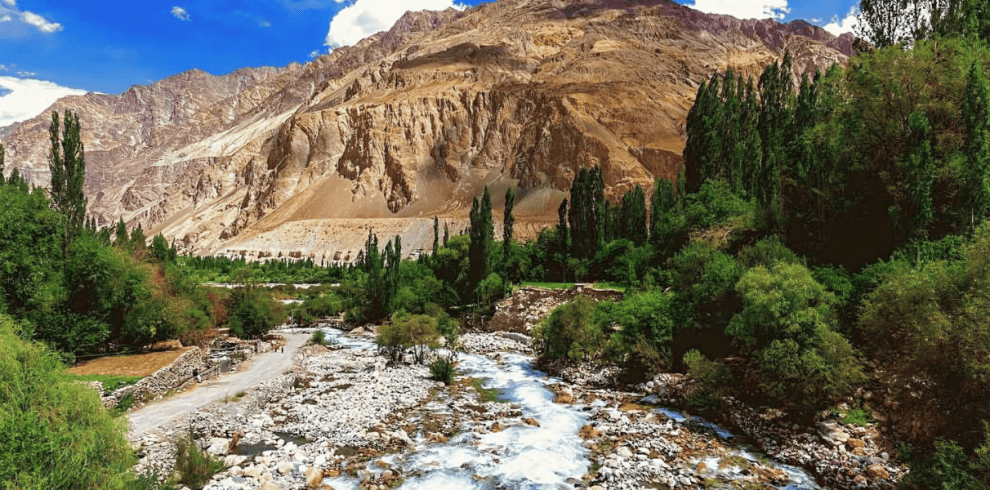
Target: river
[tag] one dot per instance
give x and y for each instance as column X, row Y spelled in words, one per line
column 550, row 456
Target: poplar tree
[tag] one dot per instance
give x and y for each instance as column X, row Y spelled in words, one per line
column 122, row 238
column 1, row 164
column 921, row 167
column 976, row 145
column 508, row 223
column 68, row 169
column 436, row 235
column 633, row 216
column 482, row 235
column 663, row 202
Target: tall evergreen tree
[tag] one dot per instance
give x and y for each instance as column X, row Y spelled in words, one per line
column 586, row 215
column 482, row 235
column 508, row 223
column 122, row 238
column 663, row 201
column 921, row 169
column 563, row 234
column 976, row 145
column 633, row 216
column 436, row 235
column 1, row 164
column 68, row 169
column 446, row 233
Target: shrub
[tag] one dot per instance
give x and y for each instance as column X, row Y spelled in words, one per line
column 442, row 369
column 54, row 433
column 416, row 332
column 319, row 338
column 647, row 322
column 193, row 466
column 786, row 321
column 570, row 332
column 713, row 378
column 949, row 467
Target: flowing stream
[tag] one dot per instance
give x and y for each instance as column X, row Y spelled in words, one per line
column 519, row 457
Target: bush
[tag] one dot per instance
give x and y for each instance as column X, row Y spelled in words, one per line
column 786, row 322
column 570, row 332
column 713, row 378
column 194, row 467
column 416, row 332
column 442, row 369
column 647, row 322
column 319, row 338
column 54, row 433
column 950, row 468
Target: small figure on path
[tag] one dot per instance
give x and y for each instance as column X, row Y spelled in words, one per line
column 196, row 375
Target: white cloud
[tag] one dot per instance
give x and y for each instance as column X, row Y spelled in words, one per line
column 12, row 3
column 314, row 54
column 40, row 22
column 744, row 9
column 6, row 18
column 180, row 13
column 366, row 17
column 839, row 27
column 28, row 98
column 264, row 23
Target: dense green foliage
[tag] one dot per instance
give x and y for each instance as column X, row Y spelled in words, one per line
column 54, row 433
column 61, row 277
column 570, row 331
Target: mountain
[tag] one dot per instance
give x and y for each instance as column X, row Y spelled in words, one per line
column 410, row 123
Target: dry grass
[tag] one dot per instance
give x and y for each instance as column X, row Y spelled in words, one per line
column 137, row 365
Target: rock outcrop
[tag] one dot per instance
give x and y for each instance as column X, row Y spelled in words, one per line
column 412, row 123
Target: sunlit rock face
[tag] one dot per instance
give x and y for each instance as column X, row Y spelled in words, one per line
column 412, row 123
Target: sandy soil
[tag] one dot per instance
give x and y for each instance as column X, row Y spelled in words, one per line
column 138, row 365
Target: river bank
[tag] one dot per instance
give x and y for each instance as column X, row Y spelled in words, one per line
column 344, row 418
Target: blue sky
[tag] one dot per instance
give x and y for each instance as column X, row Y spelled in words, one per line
column 50, row 48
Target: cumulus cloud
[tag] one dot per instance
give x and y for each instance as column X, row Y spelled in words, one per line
column 313, row 54
column 9, row 12
column 28, row 98
column 841, row 26
column 180, row 13
column 40, row 22
column 366, row 17
column 264, row 23
column 744, row 9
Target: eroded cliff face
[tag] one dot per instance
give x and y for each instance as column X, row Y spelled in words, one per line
column 411, row 123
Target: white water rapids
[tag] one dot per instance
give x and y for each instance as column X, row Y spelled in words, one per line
column 519, row 457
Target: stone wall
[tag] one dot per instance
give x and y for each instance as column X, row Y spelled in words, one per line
column 166, row 378
column 529, row 305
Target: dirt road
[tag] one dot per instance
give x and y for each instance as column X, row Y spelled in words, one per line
column 259, row 369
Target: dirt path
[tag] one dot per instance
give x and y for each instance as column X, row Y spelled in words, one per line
column 259, row 369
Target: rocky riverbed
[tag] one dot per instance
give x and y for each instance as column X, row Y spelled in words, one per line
column 344, row 418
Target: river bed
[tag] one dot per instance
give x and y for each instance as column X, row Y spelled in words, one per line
column 549, row 454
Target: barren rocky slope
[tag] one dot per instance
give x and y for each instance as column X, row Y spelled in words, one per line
column 412, row 123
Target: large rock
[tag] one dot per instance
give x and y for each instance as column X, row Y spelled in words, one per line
column 313, row 476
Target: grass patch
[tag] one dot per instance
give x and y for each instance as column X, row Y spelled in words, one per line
column 858, row 416
column 110, row 382
column 486, row 394
column 611, row 285
column 548, row 285
column 193, row 466
column 126, row 403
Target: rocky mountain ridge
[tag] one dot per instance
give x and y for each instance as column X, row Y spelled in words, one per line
column 305, row 160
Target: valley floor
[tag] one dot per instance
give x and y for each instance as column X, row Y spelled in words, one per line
column 344, row 418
